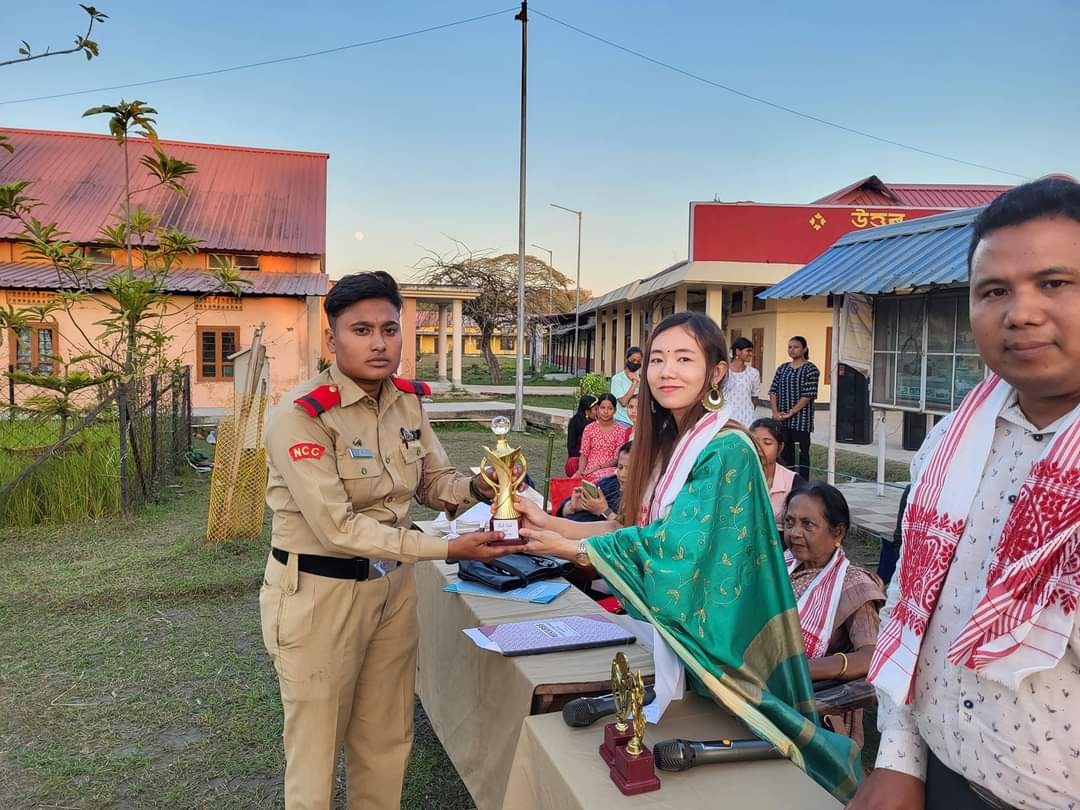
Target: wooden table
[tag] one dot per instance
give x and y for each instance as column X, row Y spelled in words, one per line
column 476, row 699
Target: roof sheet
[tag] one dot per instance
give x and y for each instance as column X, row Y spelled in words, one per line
column 874, row 191
column 922, row 252
column 39, row 276
column 241, row 199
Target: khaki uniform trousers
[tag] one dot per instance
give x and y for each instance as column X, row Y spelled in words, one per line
column 345, row 655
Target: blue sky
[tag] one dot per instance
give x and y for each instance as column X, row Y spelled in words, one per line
column 423, row 132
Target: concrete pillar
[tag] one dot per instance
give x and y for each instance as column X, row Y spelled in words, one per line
column 617, row 338
column 635, row 324
column 714, row 304
column 680, row 298
column 456, row 341
column 598, row 346
column 440, row 346
column 407, row 367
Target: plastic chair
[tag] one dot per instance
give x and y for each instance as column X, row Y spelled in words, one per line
column 559, row 489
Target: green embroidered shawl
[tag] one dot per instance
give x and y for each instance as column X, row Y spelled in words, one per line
column 711, row 577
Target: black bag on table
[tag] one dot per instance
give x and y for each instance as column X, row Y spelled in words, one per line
column 513, row 570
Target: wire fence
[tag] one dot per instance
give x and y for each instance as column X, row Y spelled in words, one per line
column 105, row 449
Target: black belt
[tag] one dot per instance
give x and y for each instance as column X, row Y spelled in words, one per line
column 336, row 567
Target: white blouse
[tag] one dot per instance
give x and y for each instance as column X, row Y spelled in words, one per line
column 740, row 388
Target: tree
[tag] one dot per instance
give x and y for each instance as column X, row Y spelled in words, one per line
column 496, row 279
column 83, row 44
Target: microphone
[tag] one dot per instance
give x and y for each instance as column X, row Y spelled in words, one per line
column 584, row 711
column 681, row 755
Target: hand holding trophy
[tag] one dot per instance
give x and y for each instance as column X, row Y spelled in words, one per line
column 509, row 467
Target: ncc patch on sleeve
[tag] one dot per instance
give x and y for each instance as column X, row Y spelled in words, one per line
column 298, row 452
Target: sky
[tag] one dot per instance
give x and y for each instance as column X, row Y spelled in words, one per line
column 423, row 132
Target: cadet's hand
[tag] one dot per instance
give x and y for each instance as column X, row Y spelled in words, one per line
column 543, row 541
column 885, row 789
column 474, row 546
column 531, row 511
column 482, row 485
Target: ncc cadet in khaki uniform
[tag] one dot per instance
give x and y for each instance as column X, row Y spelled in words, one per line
column 347, row 451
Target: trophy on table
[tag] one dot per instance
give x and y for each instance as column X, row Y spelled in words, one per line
column 508, row 466
column 634, row 770
column 618, row 734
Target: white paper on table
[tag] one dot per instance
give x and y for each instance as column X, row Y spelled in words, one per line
column 477, row 513
column 669, row 674
column 482, row 641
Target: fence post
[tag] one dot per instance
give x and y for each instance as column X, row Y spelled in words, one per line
column 187, row 407
column 125, row 503
column 11, row 390
column 155, row 476
column 175, row 424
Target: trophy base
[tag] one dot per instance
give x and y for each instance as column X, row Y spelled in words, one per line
column 511, row 529
column 613, row 740
column 634, row 774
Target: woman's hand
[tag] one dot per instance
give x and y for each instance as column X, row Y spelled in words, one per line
column 598, row 505
column 535, row 517
column 552, row 544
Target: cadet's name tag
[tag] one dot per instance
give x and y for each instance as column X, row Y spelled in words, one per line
column 298, row 452
column 361, row 452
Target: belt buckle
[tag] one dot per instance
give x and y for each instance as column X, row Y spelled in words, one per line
column 988, row 798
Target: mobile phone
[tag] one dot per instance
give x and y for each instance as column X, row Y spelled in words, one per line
column 590, row 489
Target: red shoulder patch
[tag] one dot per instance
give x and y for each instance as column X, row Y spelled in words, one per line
column 303, row 450
column 320, row 399
column 417, row 387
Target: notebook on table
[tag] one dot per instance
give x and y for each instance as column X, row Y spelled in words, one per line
column 550, row 635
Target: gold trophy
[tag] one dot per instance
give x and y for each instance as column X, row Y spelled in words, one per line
column 634, row 770
column 509, row 467
column 618, row 734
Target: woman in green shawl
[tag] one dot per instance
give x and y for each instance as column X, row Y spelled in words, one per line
column 699, row 555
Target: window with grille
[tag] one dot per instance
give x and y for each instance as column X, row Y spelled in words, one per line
column 216, row 344
column 240, row 261
column 34, row 347
column 98, row 255
column 924, row 353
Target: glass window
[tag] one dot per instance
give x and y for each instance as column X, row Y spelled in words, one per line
column 939, row 382
column 884, row 376
column 885, row 325
column 909, row 353
column 969, row 373
column 506, row 344
column 965, row 341
column 737, row 301
column 215, row 346
column 33, row 348
column 241, row 261
column 98, row 255
column 940, row 324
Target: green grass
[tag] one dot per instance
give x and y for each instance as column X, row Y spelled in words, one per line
column 474, row 371
column 82, row 480
column 569, row 401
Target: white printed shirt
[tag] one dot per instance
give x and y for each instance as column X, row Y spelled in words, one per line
column 1023, row 746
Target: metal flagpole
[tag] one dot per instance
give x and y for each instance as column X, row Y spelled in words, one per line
column 577, row 284
column 519, row 375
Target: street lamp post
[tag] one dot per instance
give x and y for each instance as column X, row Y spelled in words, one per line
column 551, row 293
column 577, row 284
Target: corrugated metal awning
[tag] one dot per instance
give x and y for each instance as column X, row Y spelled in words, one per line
column 919, row 253
column 40, row 276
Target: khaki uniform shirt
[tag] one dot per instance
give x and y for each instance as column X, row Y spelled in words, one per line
column 340, row 482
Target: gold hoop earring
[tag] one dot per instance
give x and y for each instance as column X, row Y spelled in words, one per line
column 714, row 398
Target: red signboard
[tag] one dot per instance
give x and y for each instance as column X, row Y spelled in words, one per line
column 785, row 234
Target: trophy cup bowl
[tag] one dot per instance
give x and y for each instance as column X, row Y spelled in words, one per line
column 509, row 468
column 634, row 770
column 619, row 733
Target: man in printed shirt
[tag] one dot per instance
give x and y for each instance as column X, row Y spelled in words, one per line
column 347, row 451
column 978, row 663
